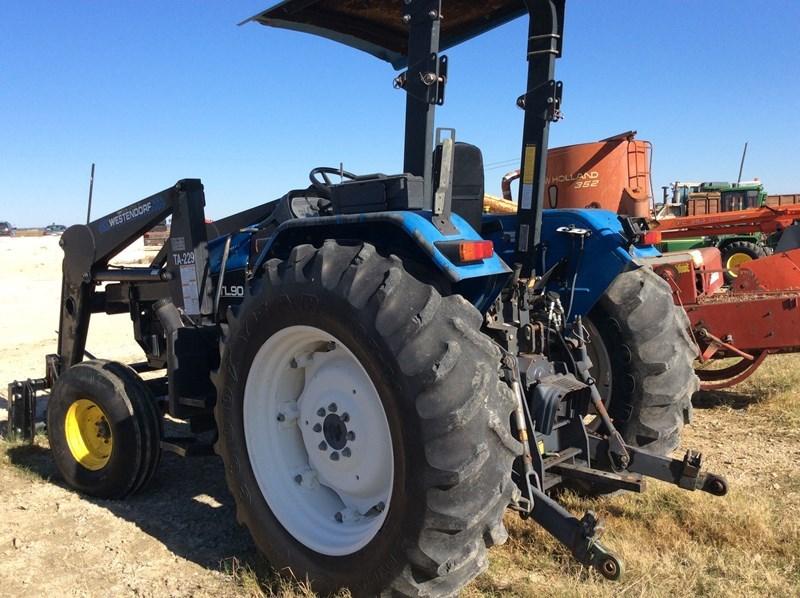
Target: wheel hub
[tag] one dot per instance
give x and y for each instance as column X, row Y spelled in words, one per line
column 335, row 431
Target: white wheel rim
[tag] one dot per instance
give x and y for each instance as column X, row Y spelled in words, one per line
column 318, row 440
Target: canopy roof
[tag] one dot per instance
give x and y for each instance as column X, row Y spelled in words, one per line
column 376, row 26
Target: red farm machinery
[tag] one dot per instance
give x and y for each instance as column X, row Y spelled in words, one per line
column 758, row 314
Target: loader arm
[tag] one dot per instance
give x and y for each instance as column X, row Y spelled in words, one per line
column 89, row 248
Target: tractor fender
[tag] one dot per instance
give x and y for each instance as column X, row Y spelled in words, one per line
column 606, row 252
column 405, row 233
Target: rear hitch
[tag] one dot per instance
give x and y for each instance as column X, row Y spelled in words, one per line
column 685, row 473
column 581, row 536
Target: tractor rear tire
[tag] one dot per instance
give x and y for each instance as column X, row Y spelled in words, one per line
column 428, row 430
column 737, row 253
column 651, row 356
column 104, row 429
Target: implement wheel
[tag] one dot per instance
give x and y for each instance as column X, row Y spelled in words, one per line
column 645, row 340
column 736, row 254
column 732, row 372
column 104, row 429
column 364, row 425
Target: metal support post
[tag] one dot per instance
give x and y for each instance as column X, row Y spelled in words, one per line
column 541, row 102
column 421, row 83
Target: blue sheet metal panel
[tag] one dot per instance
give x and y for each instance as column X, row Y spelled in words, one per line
column 480, row 282
column 418, row 226
column 604, row 256
column 238, row 254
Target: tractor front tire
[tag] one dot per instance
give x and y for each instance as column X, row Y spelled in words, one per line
column 364, row 425
column 652, row 378
column 104, row 429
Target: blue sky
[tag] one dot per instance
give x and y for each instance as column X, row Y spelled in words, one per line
column 155, row 91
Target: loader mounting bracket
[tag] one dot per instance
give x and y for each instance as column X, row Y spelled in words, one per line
column 550, row 102
column 433, row 76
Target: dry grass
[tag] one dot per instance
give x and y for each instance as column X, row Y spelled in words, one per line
column 673, row 544
column 268, row 584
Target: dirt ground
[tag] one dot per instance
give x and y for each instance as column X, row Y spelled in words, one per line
column 180, row 538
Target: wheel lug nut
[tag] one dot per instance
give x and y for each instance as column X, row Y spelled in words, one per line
column 321, row 412
column 298, row 479
column 317, row 428
column 351, row 435
column 345, row 417
column 332, row 407
column 281, row 417
column 323, row 446
column 339, row 518
column 334, row 456
column 346, row 452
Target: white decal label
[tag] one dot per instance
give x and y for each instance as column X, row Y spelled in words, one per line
column 527, row 196
column 191, row 293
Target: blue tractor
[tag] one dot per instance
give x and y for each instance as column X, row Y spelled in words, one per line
column 383, row 368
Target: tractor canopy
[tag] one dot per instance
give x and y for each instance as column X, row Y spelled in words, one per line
column 377, row 27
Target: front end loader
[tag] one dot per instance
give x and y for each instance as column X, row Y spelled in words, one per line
column 384, row 369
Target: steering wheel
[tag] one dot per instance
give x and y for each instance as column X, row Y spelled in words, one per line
column 324, row 185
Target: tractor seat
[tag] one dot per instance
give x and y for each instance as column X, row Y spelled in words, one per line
column 468, row 181
column 307, row 204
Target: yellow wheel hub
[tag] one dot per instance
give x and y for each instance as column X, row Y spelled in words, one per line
column 736, row 260
column 88, row 434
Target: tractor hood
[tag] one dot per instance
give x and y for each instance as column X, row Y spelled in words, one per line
column 376, row 26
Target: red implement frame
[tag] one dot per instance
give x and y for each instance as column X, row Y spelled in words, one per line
column 765, row 220
column 758, row 316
